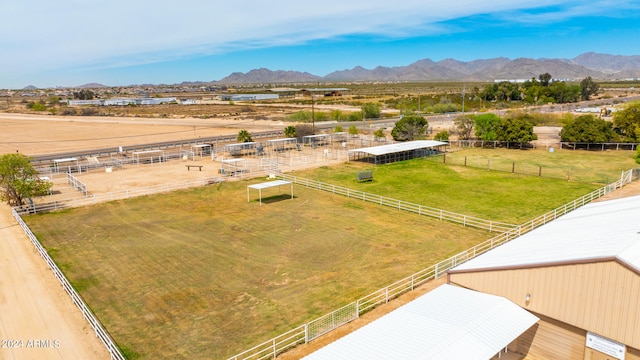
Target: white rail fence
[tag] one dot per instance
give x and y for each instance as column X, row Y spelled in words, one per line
column 116, row 195
column 329, row 322
column 443, row 215
column 77, row 184
column 97, row 327
column 303, row 334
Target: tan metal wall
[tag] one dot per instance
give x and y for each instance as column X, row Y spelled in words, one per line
column 632, row 354
column 600, row 297
column 551, row 339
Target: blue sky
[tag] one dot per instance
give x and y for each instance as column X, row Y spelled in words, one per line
column 121, row 42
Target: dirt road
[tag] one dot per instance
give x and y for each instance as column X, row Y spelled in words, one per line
column 37, row 318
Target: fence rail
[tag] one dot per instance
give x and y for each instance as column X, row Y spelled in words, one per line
column 520, row 167
column 559, row 144
column 97, row 327
column 116, row 195
column 315, row 328
column 444, row 215
column 77, row 184
column 309, row 331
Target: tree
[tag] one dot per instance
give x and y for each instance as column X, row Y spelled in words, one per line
column 563, row 93
column 442, row 136
column 290, row 131
column 353, row 130
column 626, row 122
column 544, row 79
column 516, row 130
column 303, row 130
column 379, row 134
column 588, row 129
column 355, row 116
column 338, row 128
column 19, row 180
column 371, row 110
column 589, row 87
column 336, row 115
column 486, row 125
column 464, row 126
column 84, row 95
column 244, row 136
column 410, row 128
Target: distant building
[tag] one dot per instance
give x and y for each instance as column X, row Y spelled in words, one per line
column 248, row 97
column 123, row 101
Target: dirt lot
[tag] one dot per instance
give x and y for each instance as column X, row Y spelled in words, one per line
column 42, row 134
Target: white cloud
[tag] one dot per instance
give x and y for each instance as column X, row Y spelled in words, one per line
column 48, row 35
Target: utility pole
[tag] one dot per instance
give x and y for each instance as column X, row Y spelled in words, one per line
column 463, row 89
column 313, row 114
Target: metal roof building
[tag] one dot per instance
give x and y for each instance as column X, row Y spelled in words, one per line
column 447, row 323
column 602, row 231
column 580, row 274
column 384, row 154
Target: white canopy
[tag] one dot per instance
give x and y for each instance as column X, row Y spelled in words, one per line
column 399, row 147
column 266, row 185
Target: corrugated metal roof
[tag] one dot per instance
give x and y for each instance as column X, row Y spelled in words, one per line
column 399, row 147
column 608, row 229
column 447, row 323
column 269, row 184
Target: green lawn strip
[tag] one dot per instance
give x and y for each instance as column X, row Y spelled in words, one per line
column 490, row 195
column 603, row 167
column 203, row 274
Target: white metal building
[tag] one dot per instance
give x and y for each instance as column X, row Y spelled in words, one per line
column 580, row 274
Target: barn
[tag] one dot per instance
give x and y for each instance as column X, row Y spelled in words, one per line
column 580, row 274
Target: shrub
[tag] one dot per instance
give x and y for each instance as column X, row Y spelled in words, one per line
column 442, row 136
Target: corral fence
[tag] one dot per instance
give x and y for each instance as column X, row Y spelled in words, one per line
column 561, row 145
column 303, row 334
column 505, row 165
column 443, row 215
column 77, row 184
column 92, row 199
column 95, row 324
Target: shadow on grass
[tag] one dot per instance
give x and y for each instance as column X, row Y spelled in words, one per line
column 274, row 199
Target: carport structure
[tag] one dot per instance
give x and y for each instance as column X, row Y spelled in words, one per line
column 384, row 154
column 266, row 185
column 448, row 323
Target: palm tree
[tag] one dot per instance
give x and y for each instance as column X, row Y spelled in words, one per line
column 244, row 136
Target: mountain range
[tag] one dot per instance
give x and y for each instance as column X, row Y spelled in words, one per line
column 598, row 66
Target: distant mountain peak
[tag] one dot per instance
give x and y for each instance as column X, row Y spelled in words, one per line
column 598, row 66
column 92, row 86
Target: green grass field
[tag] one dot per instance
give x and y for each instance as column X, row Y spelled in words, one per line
column 203, row 274
column 492, row 195
column 601, row 167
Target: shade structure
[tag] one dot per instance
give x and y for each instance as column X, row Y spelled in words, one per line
column 266, row 185
column 396, row 152
column 449, row 322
